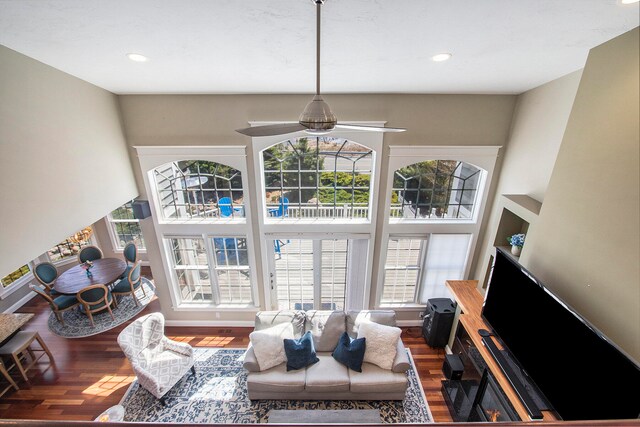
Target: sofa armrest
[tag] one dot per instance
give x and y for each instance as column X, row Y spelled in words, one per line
column 250, row 362
column 401, row 363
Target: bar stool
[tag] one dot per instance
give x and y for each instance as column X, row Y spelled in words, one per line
column 18, row 344
column 7, row 377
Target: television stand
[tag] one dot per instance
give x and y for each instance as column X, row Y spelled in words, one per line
column 514, row 380
column 468, row 318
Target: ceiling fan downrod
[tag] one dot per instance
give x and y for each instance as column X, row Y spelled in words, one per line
column 317, row 115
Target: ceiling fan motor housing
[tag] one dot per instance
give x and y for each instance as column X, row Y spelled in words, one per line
column 317, row 115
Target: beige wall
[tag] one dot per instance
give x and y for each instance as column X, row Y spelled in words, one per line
column 586, row 245
column 211, row 120
column 539, row 122
column 63, row 157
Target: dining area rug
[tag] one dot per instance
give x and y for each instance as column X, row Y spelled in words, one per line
column 217, row 394
column 77, row 324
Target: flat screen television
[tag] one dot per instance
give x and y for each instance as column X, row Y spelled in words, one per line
column 582, row 374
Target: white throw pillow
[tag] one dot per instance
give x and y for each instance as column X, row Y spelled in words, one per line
column 381, row 343
column 268, row 345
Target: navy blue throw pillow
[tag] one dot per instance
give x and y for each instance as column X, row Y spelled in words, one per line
column 300, row 352
column 350, row 352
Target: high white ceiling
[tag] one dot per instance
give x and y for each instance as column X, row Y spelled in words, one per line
column 268, row 46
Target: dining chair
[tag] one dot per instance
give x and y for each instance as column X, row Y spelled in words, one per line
column 58, row 305
column 130, row 254
column 130, row 284
column 96, row 298
column 46, row 273
column 20, row 343
column 89, row 253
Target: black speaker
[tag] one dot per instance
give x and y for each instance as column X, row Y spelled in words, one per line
column 141, row 209
column 453, row 367
column 438, row 319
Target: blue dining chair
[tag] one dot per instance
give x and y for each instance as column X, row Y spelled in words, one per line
column 90, row 253
column 130, row 284
column 130, row 254
column 281, row 210
column 46, row 273
column 95, row 298
column 59, row 304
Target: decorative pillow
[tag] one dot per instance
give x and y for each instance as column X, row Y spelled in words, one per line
column 268, row 346
column 300, row 352
column 381, row 343
column 350, row 352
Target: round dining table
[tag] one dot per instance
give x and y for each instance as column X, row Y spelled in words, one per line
column 105, row 271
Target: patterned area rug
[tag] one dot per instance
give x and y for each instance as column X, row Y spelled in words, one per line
column 218, row 394
column 77, row 324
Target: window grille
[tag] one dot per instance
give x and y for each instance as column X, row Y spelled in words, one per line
column 125, row 227
column 317, row 177
column 435, row 189
column 199, row 189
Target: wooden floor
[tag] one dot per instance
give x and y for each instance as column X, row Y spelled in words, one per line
column 91, row 374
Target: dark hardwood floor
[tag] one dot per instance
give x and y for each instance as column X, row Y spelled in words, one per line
column 91, row 374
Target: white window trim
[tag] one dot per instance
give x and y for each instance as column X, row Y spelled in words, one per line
column 109, row 222
column 150, row 157
column 307, row 228
column 484, row 157
column 18, row 284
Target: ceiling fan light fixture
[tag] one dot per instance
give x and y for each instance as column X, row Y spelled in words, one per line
column 317, row 115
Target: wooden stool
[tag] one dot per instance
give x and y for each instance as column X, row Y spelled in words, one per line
column 6, row 375
column 21, row 342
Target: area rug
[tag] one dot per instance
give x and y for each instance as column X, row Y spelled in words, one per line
column 77, row 324
column 218, row 394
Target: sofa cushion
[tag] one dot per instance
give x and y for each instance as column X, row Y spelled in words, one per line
column 267, row 319
column 327, row 375
column 350, row 352
column 300, row 352
column 326, row 328
column 383, row 317
column 276, row 380
column 375, row 378
column 382, row 341
column 268, row 344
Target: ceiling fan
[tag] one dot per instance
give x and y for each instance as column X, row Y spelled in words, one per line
column 317, row 117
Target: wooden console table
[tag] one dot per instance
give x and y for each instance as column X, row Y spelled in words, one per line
column 470, row 302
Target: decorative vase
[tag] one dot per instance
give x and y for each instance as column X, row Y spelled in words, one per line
column 515, row 250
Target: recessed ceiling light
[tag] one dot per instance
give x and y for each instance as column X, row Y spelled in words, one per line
column 441, row 57
column 137, row 57
column 629, row 1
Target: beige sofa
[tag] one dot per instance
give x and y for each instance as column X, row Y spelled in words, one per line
column 327, row 379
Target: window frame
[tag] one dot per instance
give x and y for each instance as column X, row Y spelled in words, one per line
column 111, row 222
column 483, row 157
column 151, row 157
column 17, row 284
column 73, row 258
column 307, row 228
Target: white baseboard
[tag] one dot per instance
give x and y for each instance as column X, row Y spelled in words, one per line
column 22, row 301
column 210, row 323
column 408, row 323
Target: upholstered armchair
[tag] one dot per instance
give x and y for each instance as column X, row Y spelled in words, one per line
column 158, row 361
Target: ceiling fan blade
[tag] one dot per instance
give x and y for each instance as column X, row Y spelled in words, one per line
column 270, row 130
column 368, row 128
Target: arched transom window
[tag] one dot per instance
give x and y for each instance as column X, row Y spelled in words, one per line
column 199, row 189
column 317, row 177
column 435, row 189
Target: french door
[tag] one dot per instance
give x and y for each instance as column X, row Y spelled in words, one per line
column 308, row 274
